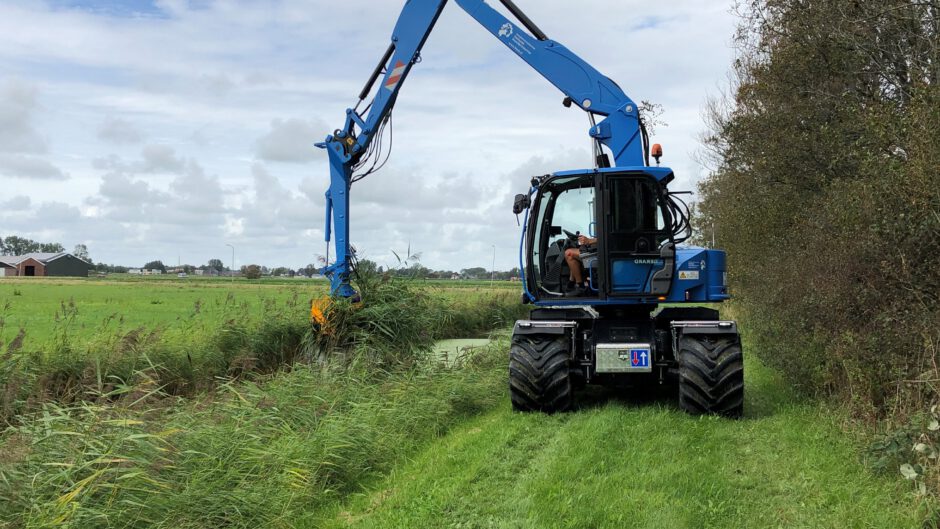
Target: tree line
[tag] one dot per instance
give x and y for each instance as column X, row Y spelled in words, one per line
column 415, row 270
column 408, row 268
column 255, row 271
column 16, row 245
column 825, row 191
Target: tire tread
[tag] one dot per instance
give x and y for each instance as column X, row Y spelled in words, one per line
column 711, row 375
column 538, row 374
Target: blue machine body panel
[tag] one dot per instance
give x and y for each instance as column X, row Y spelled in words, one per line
column 700, row 278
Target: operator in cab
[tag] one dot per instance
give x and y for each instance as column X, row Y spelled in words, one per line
column 577, row 283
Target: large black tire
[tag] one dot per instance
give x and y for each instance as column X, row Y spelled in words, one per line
column 711, row 375
column 538, row 374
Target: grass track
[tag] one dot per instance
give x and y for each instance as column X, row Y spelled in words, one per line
column 622, row 463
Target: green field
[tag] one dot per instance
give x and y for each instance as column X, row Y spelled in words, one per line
column 206, row 404
column 84, row 308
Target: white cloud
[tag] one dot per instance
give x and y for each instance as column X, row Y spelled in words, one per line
column 30, row 167
column 273, row 219
column 291, row 140
column 22, row 147
column 154, row 159
column 160, row 158
column 120, row 131
column 18, row 103
column 17, row 203
column 119, row 189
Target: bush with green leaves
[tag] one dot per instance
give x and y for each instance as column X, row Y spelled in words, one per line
column 825, row 192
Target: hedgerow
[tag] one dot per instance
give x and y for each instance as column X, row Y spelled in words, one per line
column 825, row 191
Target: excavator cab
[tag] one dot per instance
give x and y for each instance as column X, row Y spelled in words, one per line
column 626, row 211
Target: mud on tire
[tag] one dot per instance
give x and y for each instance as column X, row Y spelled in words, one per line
column 711, row 375
column 538, row 374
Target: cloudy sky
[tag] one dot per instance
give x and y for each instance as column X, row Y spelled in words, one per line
column 166, row 129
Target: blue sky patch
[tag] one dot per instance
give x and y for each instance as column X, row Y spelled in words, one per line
column 651, row 22
column 115, row 8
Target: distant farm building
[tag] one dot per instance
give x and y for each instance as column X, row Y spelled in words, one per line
column 60, row 264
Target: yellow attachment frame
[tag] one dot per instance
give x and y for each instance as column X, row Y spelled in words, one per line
column 318, row 311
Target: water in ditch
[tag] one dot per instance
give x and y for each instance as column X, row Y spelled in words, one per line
column 449, row 350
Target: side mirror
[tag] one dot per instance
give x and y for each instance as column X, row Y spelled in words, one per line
column 521, row 204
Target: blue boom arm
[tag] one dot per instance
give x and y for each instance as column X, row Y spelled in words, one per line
column 581, row 83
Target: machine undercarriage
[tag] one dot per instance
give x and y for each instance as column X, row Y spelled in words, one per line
column 688, row 349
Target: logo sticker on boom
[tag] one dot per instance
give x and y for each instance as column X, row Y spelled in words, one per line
column 506, row 30
column 395, row 76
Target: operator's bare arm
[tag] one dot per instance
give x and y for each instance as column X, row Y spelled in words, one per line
column 583, row 240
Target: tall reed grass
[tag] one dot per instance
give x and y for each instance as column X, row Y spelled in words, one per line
column 264, row 453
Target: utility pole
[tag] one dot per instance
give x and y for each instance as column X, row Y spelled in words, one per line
column 493, row 268
column 232, row 273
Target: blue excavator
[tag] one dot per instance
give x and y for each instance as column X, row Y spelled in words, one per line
column 617, row 296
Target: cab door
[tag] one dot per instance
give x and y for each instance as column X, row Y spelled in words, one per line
column 564, row 204
column 635, row 240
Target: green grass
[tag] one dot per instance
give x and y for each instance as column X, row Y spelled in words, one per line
column 436, row 446
column 392, row 437
column 247, row 455
column 65, row 340
column 89, row 307
column 632, row 463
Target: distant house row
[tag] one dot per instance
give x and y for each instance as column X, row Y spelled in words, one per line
column 60, row 264
column 157, row 272
column 144, row 272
